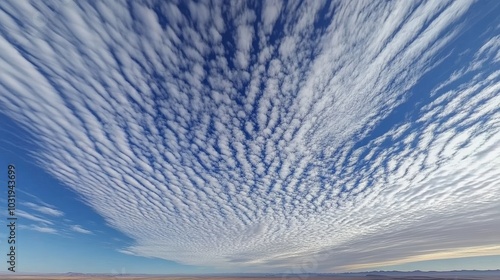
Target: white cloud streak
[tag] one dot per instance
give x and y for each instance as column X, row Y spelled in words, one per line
column 46, row 210
column 80, row 229
column 25, row 215
column 43, row 229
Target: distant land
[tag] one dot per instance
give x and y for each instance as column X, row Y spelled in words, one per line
column 371, row 275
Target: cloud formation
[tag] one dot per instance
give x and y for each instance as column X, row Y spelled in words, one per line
column 45, row 219
column 25, row 215
column 79, row 229
column 43, row 229
column 250, row 135
column 47, row 210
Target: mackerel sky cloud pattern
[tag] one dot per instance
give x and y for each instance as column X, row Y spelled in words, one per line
column 236, row 134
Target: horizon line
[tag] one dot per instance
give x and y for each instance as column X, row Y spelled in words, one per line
column 268, row 274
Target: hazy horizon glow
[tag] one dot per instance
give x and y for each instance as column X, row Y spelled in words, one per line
column 242, row 136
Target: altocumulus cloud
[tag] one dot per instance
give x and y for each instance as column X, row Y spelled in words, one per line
column 242, row 135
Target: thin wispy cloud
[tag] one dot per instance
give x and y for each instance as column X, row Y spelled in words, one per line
column 43, row 229
column 25, row 215
column 50, row 211
column 241, row 135
column 80, row 229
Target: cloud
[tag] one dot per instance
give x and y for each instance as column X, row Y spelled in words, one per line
column 47, row 210
column 126, row 252
column 79, row 229
column 458, row 253
column 43, row 229
column 23, row 214
column 266, row 136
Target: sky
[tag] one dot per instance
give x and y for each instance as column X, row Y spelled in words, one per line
column 192, row 137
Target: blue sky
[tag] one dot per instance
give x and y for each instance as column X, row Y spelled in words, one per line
column 241, row 136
